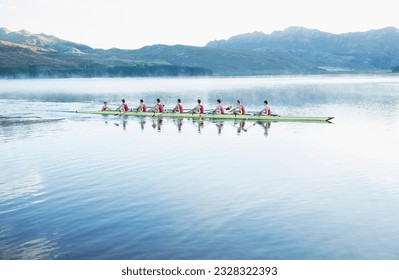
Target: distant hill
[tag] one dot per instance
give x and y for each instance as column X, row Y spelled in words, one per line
column 42, row 41
column 226, row 61
column 295, row 50
column 23, row 54
column 51, row 56
column 375, row 50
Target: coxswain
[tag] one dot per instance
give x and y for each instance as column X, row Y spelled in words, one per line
column 239, row 110
column 123, row 107
column 266, row 110
column 158, row 108
column 178, row 108
column 105, row 106
column 142, row 107
column 199, row 109
column 219, row 108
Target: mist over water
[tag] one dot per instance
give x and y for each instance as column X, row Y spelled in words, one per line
column 92, row 187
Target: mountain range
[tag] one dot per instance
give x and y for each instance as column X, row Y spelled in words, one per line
column 295, row 50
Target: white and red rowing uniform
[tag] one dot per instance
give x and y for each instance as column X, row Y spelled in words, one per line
column 242, row 109
column 267, row 110
column 160, row 107
column 221, row 109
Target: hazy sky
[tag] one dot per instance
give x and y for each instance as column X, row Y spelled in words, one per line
column 132, row 24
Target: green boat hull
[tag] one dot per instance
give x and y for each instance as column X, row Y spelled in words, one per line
column 275, row 118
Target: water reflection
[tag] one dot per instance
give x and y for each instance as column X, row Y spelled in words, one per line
column 245, row 126
column 179, row 124
column 64, row 195
column 142, row 124
column 26, row 185
column 25, row 126
column 40, row 248
column 240, row 127
column 220, row 125
column 160, row 124
column 21, row 120
column 199, row 124
column 157, row 124
column 18, row 193
column 266, row 126
column 124, row 124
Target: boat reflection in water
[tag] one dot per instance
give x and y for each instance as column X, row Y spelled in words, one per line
column 142, row 123
column 199, row 124
column 220, row 125
column 124, row 124
column 158, row 123
column 178, row 123
column 242, row 126
column 266, row 126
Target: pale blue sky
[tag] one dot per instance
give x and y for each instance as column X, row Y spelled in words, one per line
column 133, row 24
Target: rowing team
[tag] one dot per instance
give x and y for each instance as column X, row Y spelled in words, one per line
column 199, row 109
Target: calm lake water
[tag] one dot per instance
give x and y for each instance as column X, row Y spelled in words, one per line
column 92, row 187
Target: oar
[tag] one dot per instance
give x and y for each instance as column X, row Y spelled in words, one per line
column 250, row 116
column 250, row 126
column 272, row 115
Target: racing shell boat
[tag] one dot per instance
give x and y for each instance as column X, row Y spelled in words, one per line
column 210, row 116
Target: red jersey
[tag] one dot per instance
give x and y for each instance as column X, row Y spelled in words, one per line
column 144, row 108
column 242, row 110
column 221, row 109
column 125, row 107
column 180, row 108
column 202, row 110
column 160, row 107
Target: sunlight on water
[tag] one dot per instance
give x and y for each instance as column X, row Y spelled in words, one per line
column 76, row 186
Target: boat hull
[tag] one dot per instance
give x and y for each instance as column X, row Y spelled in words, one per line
column 273, row 118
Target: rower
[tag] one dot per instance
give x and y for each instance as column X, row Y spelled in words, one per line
column 199, row 109
column 239, row 110
column 123, row 107
column 266, row 110
column 219, row 108
column 142, row 107
column 178, row 108
column 158, row 108
column 105, row 106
